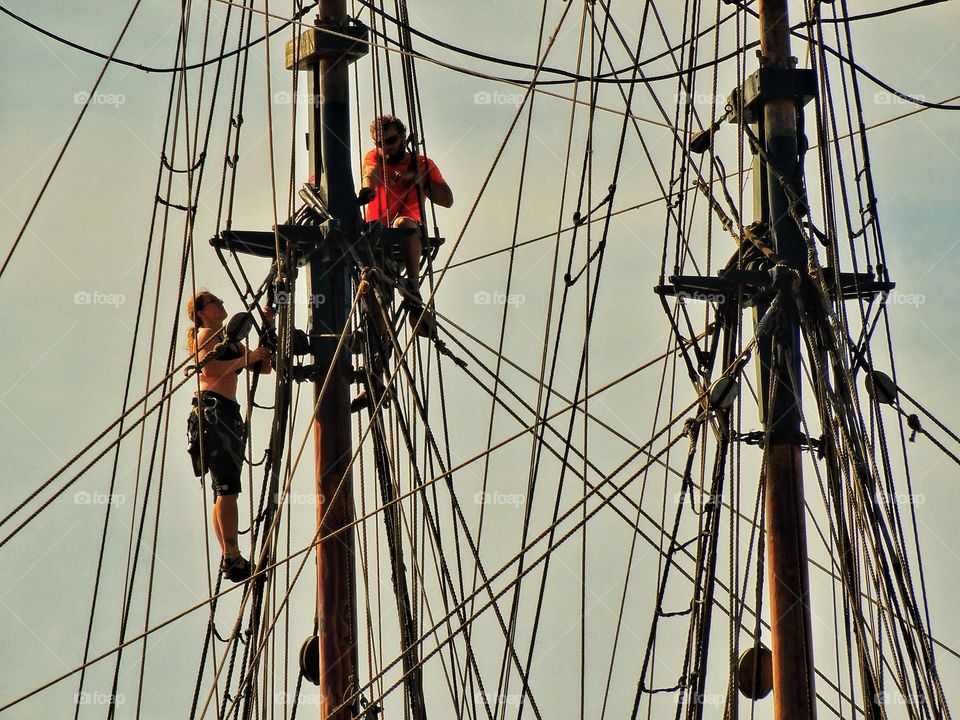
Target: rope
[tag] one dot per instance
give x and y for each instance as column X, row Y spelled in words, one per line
column 70, row 135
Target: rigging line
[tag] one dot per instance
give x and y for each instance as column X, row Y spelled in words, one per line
column 914, row 424
column 153, row 561
column 880, row 249
column 817, row 564
column 305, row 553
column 129, row 377
column 928, row 413
column 606, row 78
column 519, row 434
column 335, row 533
column 273, row 176
column 458, row 516
column 395, row 541
column 480, row 455
column 73, row 131
column 375, row 305
column 534, row 83
column 97, row 439
column 215, row 597
column 528, row 85
column 575, row 76
column 192, row 165
column 838, row 536
column 881, row 537
column 591, row 295
column 393, row 523
column 536, row 448
column 880, row 558
column 614, row 213
column 556, row 453
column 633, row 524
column 236, row 121
column 147, row 68
column 199, row 605
column 512, row 582
column 317, row 541
column 468, row 673
column 876, row 13
column 658, row 546
column 606, row 426
column 859, row 68
column 679, row 144
column 486, row 181
column 509, row 645
column 857, row 432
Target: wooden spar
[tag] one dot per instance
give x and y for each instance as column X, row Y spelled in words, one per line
column 330, row 161
column 328, row 285
column 793, row 676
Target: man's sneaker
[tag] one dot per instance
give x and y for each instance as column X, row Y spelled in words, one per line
column 424, row 322
column 236, row 570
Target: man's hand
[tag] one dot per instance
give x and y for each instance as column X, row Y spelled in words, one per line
column 268, row 316
column 258, row 355
column 365, row 195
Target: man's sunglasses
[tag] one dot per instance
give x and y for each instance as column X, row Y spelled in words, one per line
column 388, row 140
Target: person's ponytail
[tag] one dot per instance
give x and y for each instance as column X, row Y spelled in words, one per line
column 192, row 315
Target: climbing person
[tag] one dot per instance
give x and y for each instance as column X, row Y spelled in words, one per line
column 394, row 183
column 216, row 429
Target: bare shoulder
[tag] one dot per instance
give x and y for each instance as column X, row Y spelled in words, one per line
column 205, row 341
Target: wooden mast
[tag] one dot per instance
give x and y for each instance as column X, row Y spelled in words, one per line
column 327, row 56
column 793, row 674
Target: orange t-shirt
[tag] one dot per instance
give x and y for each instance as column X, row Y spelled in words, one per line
column 395, row 199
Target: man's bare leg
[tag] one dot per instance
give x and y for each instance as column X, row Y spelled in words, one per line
column 412, row 251
column 225, row 510
column 217, row 525
column 412, row 248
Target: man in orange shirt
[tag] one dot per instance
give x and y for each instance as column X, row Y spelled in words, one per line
column 395, row 182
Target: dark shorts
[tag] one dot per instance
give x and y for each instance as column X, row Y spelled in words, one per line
column 222, row 442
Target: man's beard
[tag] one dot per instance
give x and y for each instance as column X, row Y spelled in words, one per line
column 397, row 156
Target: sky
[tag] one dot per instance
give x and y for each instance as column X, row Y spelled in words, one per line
column 70, row 297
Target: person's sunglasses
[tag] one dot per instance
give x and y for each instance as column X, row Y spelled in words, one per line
column 388, row 140
column 211, row 300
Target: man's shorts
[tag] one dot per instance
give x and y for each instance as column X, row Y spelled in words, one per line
column 222, row 445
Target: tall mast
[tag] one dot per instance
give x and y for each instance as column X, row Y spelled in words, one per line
column 793, row 676
column 326, row 55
